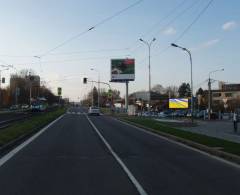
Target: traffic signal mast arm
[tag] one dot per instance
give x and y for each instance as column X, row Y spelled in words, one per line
column 98, row 82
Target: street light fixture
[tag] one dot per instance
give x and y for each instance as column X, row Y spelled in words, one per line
column 209, row 91
column 185, row 49
column 93, row 69
column 149, row 44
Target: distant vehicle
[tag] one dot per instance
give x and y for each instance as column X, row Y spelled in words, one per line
column 180, row 113
column 38, row 107
column 162, row 115
column 94, row 111
column 25, row 106
column 214, row 115
column 14, row 107
column 201, row 113
column 168, row 113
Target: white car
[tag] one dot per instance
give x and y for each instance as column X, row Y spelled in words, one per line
column 25, row 106
column 94, row 111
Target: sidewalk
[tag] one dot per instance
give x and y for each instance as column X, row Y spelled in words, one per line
column 218, row 129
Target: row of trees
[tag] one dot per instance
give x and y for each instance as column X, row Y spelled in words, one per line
column 171, row 91
column 105, row 97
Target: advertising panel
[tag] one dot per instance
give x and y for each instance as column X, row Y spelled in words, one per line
column 122, row 70
column 178, row 103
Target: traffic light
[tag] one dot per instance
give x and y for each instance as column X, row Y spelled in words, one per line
column 85, row 80
column 59, row 91
column 3, row 80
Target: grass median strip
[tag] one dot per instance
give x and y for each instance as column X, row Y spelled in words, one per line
column 226, row 146
column 22, row 128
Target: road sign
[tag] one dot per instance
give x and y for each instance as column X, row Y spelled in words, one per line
column 59, row 91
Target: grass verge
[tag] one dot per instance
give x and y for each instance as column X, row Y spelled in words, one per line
column 26, row 127
column 158, row 127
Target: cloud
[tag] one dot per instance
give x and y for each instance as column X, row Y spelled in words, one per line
column 231, row 25
column 206, row 44
column 170, row 31
column 210, row 43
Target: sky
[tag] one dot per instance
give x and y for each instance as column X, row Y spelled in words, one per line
column 33, row 28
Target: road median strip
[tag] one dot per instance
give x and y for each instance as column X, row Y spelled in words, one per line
column 15, row 134
column 214, row 146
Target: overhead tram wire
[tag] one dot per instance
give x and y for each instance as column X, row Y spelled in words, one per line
column 187, row 28
column 102, row 50
column 194, row 21
column 92, row 28
column 173, row 20
column 89, row 51
column 72, row 60
column 183, row 32
column 160, row 21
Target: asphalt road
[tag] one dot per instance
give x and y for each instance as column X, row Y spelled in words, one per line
column 71, row 158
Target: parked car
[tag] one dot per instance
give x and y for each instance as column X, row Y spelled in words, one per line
column 25, row 106
column 214, row 115
column 200, row 114
column 165, row 113
column 14, row 107
column 94, row 111
column 162, row 115
column 180, row 113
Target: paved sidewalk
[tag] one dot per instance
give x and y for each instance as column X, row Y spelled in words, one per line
column 219, row 129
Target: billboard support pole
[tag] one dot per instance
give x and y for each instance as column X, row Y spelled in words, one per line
column 126, row 99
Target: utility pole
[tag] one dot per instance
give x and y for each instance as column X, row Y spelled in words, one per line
column 210, row 92
column 209, row 98
column 98, row 85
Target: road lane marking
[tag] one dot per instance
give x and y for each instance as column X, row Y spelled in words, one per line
column 181, row 144
column 13, row 152
column 138, row 186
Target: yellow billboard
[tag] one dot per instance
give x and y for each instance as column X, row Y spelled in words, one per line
column 178, row 103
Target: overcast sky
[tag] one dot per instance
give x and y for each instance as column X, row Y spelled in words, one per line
column 32, row 28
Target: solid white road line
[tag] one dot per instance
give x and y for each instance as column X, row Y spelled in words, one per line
column 181, row 144
column 138, row 186
column 9, row 155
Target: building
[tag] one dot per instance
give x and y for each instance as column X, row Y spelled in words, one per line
column 227, row 97
column 20, row 88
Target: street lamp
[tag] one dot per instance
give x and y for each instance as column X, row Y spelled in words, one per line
column 98, row 85
column 149, row 44
column 209, row 91
column 185, row 49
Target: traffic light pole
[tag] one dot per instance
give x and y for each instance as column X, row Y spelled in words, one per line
column 209, row 99
column 98, row 82
column 126, row 102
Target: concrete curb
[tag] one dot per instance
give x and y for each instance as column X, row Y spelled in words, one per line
column 227, row 156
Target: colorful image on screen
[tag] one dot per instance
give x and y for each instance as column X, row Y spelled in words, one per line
column 178, row 103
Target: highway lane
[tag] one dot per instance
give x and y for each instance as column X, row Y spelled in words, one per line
column 163, row 167
column 68, row 158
